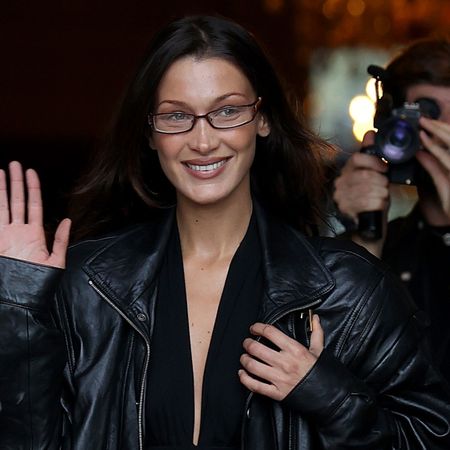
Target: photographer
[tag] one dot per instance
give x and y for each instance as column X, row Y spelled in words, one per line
column 416, row 247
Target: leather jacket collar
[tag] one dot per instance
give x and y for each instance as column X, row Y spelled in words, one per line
column 128, row 266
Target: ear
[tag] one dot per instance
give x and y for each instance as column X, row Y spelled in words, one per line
column 151, row 144
column 263, row 125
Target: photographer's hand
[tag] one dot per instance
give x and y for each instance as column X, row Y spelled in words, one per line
column 437, row 160
column 361, row 187
column 21, row 222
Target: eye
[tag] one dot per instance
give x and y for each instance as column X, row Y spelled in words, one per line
column 176, row 116
column 228, row 111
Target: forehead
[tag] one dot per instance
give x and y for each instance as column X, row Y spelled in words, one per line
column 191, row 78
column 428, row 90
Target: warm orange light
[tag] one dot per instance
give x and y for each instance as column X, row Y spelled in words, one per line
column 273, row 6
column 360, row 128
column 361, row 109
column 329, row 8
column 381, row 25
column 371, row 91
column 356, row 7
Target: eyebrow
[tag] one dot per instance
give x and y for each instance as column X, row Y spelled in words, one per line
column 217, row 100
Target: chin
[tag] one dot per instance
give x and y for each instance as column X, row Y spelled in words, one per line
column 208, row 198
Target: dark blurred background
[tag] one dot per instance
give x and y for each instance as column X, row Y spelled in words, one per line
column 65, row 63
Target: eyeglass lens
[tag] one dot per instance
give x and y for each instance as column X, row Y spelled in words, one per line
column 226, row 117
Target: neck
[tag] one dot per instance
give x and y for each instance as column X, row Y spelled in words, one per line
column 432, row 211
column 213, row 231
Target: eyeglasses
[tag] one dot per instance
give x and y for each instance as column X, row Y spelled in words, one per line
column 221, row 119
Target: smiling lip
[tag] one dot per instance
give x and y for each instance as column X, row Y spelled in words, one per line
column 206, row 168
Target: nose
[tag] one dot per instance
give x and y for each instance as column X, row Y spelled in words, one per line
column 203, row 137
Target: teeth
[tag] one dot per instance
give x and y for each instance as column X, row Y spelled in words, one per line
column 206, row 167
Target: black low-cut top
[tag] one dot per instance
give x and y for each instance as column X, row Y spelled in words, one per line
column 170, row 394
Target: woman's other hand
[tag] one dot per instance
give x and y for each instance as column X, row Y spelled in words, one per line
column 281, row 370
column 21, row 220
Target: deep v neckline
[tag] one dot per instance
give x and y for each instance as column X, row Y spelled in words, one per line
column 222, row 394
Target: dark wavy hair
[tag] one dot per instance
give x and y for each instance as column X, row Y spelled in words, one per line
column 425, row 61
column 125, row 182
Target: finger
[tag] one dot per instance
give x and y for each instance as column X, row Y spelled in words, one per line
column 370, row 178
column 260, row 351
column 368, row 139
column 365, row 161
column 4, row 204
column 257, row 368
column 317, row 337
column 376, row 200
column 354, row 199
column 17, row 199
column 361, row 182
column 438, row 129
column 274, row 335
column 253, row 385
column 60, row 244
column 35, row 214
column 441, row 153
column 438, row 173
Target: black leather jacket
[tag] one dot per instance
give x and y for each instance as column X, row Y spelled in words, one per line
column 76, row 378
column 420, row 255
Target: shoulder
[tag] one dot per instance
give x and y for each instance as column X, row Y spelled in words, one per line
column 333, row 251
column 135, row 238
column 358, row 273
column 81, row 251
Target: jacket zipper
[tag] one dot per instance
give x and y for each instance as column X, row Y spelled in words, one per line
column 146, row 362
column 271, row 321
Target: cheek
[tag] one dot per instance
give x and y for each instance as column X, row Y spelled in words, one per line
column 167, row 147
column 243, row 140
column 167, row 158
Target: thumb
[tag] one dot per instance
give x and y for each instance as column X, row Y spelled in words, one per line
column 61, row 243
column 317, row 337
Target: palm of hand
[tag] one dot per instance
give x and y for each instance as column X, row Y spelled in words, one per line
column 25, row 239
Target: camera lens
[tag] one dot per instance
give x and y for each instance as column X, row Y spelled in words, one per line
column 399, row 137
column 398, row 141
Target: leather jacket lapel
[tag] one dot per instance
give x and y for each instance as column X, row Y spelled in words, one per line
column 127, row 267
column 293, row 272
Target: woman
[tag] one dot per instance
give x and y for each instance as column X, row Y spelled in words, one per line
column 158, row 332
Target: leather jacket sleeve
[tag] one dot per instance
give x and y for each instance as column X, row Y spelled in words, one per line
column 388, row 394
column 32, row 357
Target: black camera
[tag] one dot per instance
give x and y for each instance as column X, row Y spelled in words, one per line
column 397, row 142
column 397, row 139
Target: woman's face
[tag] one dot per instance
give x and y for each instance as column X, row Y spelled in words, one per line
column 206, row 165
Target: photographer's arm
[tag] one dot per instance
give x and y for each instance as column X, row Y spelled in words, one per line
column 361, row 187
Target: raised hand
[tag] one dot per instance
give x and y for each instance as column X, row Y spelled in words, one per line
column 437, row 160
column 21, row 222
column 282, row 370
